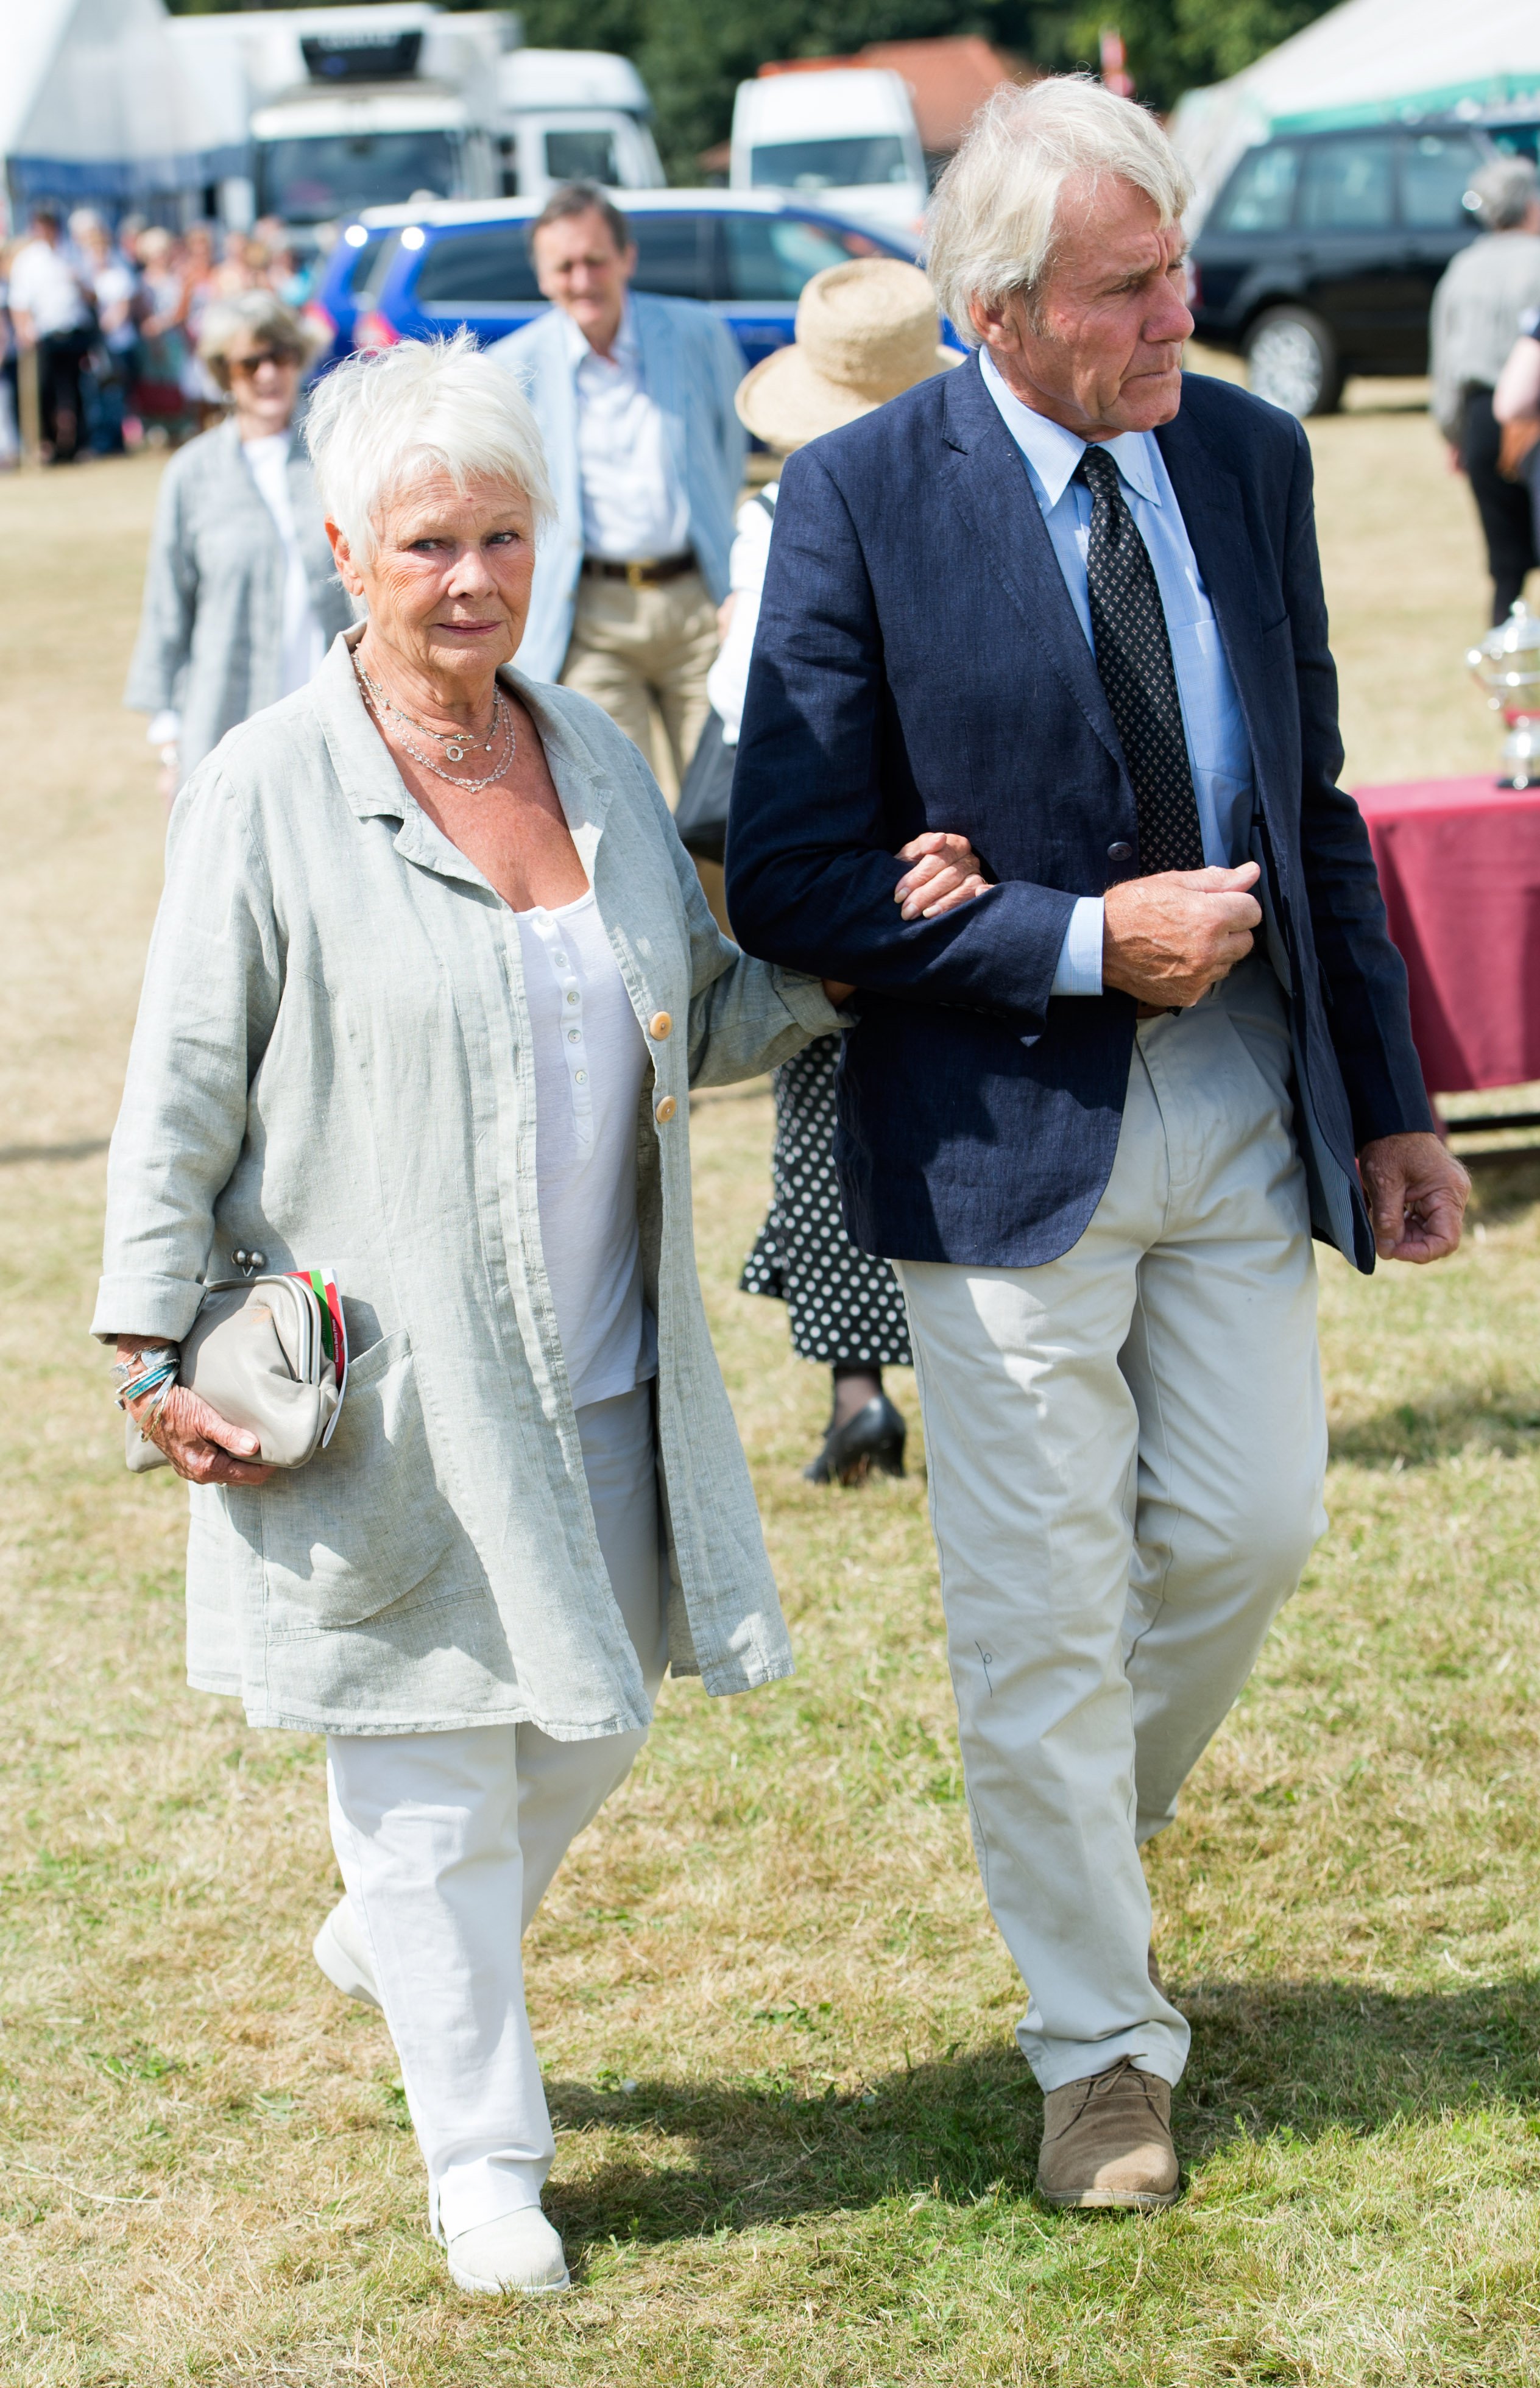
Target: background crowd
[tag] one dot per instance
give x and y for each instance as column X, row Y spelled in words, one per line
column 114, row 315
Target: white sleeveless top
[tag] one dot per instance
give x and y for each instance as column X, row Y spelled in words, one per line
column 589, row 1059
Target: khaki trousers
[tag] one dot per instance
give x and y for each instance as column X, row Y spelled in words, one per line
column 632, row 649
column 1126, row 1449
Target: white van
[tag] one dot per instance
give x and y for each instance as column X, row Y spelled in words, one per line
column 574, row 116
column 844, row 137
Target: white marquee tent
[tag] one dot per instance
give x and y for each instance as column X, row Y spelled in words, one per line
column 1361, row 64
column 92, row 103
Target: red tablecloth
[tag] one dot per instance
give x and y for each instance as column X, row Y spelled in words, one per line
column 1459, row 864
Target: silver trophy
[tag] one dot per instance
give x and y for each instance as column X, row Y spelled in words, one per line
column 1507, row 665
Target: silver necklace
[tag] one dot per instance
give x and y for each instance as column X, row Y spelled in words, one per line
column 457, row 743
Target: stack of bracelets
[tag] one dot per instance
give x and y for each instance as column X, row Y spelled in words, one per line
column 154, row 1370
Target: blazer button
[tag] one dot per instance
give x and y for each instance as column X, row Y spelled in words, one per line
column 661, row 1025
column 666, row 1111
column 1120, row 851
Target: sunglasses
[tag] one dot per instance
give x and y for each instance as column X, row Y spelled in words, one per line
column 247, row 368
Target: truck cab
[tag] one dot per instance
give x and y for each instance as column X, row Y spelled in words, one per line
column 840, row 137
column 573, row 116
column 331, row 110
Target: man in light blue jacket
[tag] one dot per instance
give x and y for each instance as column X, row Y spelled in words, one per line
column 634, row 395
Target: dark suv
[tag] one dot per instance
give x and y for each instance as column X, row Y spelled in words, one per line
column 1319, row 258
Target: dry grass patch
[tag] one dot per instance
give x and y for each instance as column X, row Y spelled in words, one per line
column 795, row 2144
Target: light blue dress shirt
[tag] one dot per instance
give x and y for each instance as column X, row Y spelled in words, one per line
column 1217, row 746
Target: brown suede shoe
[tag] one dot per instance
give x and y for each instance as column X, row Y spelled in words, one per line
column 1107, row 2141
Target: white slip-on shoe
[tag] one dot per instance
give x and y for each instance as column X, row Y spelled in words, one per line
column 518, row 2252
column 340, row 1951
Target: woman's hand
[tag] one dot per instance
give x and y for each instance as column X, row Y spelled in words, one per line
column 946, row 873
column 202, row 1446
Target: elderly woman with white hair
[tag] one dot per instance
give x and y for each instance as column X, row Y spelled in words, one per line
column 241, row 596
column 431, row 981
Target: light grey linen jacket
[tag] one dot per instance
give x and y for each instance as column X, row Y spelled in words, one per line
column 332, row 1063
column 211, row 633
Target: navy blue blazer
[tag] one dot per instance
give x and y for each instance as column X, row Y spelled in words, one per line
column 918, row 664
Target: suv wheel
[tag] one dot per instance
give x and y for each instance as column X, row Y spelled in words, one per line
column 1291, row 361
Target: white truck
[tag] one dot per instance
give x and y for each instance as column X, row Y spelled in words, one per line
column 312, row 114
column 840, row 137
column 574, row 116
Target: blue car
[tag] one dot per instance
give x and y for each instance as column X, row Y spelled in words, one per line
column 334, row 305
column 745, row 253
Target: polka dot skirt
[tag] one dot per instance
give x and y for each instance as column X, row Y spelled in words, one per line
column 843, row 1305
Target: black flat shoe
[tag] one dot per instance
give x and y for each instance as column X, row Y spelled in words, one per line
column 873, row 1438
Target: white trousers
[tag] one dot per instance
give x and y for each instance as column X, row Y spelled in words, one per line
column 448, row 1842
column 1127, row 1450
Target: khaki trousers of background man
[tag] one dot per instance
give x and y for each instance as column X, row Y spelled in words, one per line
column 635, row 648
column 1127, row 1448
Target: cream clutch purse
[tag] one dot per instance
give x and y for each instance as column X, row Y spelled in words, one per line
column 264, row 1352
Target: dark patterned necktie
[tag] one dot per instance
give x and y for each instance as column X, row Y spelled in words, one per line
column 1133, row 659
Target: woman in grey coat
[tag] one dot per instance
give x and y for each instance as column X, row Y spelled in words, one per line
column 1486, row 293
column 241, row 596
column 431, row 981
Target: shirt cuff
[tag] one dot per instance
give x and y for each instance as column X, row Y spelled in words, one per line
column 1079, row 970
column 165, row 729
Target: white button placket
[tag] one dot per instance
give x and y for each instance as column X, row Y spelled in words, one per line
column 574, row 1031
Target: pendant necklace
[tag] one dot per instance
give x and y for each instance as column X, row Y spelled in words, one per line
column 457, row 743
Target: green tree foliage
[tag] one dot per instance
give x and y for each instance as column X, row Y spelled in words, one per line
column 1175, row 44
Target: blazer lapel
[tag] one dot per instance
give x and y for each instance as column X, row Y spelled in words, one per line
column 660, row 375
column 992, row 490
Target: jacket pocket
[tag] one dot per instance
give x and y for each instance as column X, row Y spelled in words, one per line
column 361, row 1527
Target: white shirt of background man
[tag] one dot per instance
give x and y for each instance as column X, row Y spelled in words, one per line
column 303, row 643
column 727, row 681
column 42, row 284
column 589, row 1059
column 634, row 507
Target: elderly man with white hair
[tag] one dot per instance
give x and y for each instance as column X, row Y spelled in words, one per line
column 430, row 984
column 1068, row 601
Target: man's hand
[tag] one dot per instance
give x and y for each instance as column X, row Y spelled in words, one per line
column 946, row 873
column 1417, row 1194
column 1169, row 938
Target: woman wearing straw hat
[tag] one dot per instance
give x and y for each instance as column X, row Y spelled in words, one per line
column 864, row 333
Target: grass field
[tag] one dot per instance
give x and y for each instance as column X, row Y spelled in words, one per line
column 795, row 2146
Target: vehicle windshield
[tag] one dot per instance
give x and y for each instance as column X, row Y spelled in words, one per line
column 586, row 155
column 829, row 165
column 320, row 175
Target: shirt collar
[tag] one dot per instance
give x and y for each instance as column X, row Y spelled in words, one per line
column 1054, row 452
column 626, row 349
